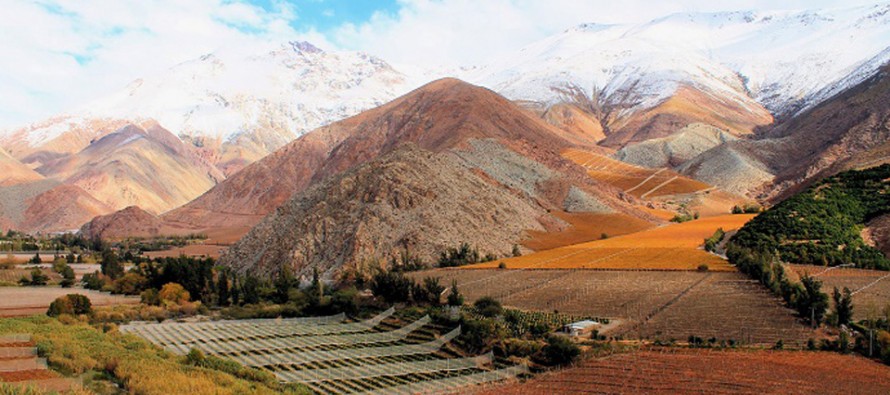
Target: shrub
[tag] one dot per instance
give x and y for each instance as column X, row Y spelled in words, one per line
column 702, row 268
column 130, row 284
column 393, row 287
column 455, row 298
column 73, row 304
column 560, row 350
column 173, row 293
column 67, row 277
column 488, row 307
column 502, row 265
column 150, row 297
column 37, row 278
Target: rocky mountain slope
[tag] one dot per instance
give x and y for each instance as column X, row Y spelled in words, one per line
column 129, row 222
column 479, row 146
column 14, row 172
column 849, row 130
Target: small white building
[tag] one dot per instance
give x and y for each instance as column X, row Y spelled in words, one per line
column 581, row 328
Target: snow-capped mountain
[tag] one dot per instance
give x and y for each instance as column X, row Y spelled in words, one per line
column 238, row 103
column 781, row 59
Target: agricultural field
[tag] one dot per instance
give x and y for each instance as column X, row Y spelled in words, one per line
column 23, row 301
column 584, row 227
column 671, row 247
column 330, row 355
column 871, row 288
column 652, row 305
column 11, row 276
column 711, row 371
column 635, row 180
column 20, row 366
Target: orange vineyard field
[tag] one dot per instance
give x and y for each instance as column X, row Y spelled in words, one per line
column 871, row 288
column 671, row 247
column 635, row 180
column 649, row 304
column 702, row 371
column 584, row 227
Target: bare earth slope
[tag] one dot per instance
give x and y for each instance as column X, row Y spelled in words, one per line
column 847, row 131
column 471, row 136
column 129, row 222
column 145, row 166
column 442, row 115
column 14, row 172
column 409, row 199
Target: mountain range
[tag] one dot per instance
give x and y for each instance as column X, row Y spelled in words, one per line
column 320, row 158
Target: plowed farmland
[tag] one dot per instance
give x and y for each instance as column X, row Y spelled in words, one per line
column 649, row 304
column 635, row 180
column 871, row 288
column 671, row 247
column 703, row 371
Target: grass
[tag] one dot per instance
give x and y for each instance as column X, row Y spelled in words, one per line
column 74, row 347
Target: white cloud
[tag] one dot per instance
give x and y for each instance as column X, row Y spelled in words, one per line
column 58, row 54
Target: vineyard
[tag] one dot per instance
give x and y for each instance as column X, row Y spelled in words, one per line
column 649, row 304
column 331, row 355
column 871, row 288
column 712, row 371
column 672, row 247
column 635, row 180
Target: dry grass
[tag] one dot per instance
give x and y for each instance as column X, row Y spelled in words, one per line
column 673, row 371
column 23, row 301
column 671, row 247
column 584, row 227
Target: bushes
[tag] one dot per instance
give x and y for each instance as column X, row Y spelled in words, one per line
column 393, row 287
column 455, row 298
column 73, row 304
column 173, row 293
column 560, row 350
column 488, row 307
column 716, row 238
column 37, row 278
column 465, row 255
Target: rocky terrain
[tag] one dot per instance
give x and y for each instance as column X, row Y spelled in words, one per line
column 877, row 233
column 676, row 149
column 849, row 130
column 457, row 132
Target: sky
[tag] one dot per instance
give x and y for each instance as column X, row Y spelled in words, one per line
column 59, row 54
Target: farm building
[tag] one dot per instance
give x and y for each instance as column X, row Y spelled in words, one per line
column 580, row 328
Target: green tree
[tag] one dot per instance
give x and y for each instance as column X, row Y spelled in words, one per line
column 560, row 350
column 488, row 306
column 843, row 305
column 222, row 288
column 812, row 302
column 36, row 259
column 70, row 304
column 67, row 277
column 111, row 265
column 455, row 298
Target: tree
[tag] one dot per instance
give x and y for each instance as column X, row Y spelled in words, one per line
column 37, row 278
column 560, row 350
column 843, row 305
column 70, row 304
column 812, row 301
column 67, row 277
column 173, row 293
column 393, row 287
column 222, row 288
column 516, row 250
column 111, row 265
column 36, row 259
column 455, row 298
column 488, row 306
column 433, row 290
column 283, row 283
column 605, row 102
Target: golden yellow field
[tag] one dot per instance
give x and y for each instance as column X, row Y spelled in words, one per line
column 670, row 247
column 637, row 181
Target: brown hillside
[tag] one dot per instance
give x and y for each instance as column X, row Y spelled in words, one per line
column 129, row 222
column 409, row 199
column 689, row 106
column 850, row 130
column 146, row 166
column 63, row 208
column 439, row 116
column 14, row 172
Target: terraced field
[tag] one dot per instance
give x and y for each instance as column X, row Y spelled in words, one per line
column 671, row 247
column 20, row 366
column 635, row 180
column 378, row 355
column 711, row 371
column 871, row 288
column 649, row 304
